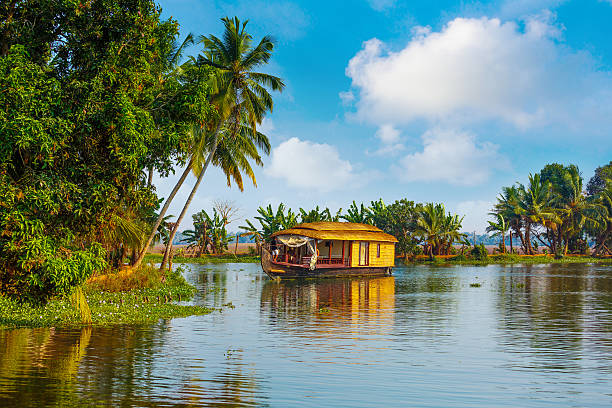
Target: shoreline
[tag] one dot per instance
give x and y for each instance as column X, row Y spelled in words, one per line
column 108, row 306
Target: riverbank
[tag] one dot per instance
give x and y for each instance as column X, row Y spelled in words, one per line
column 206, row 259
column 508, row 259
column 142, row 297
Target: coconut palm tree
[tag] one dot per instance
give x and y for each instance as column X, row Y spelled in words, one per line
column 499, row 227
column 535, row 208
column 602, row 231
column 430, row 227
column 237, row 145
column 508, row 207
column 172, row 69
column 239, row 93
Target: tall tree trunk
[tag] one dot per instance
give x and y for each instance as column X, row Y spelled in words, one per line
column 511, row 247
column 162, row 213
column 527, row 242
column 193, row 191
column 150, row 180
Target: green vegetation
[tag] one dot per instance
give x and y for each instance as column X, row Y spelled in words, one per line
column 412, row 224
column 141, row 297
column 552, row 210
column 96, row 97
column 510, row 259
column 206, row 259
column 241, row 100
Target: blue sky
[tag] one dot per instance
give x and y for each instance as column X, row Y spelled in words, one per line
column 442, row 101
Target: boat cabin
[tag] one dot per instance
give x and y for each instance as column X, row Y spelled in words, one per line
column 333, row 245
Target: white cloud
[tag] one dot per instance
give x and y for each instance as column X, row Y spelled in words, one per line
column 452, row 156
column 311, row 166
column 476, row 214
column 390, row 140
column 266, row 126
column 346, row 97
column 478, row 69
column 380, row 5
column 388, row 134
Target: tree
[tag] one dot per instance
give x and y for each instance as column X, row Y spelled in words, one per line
column 499, row 227
column 270, row 221
column 356, row 214
column 316, row 215
column 81, row 108
column 597, row 183
column 239, row 93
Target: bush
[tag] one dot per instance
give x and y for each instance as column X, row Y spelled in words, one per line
column 35, row 266
column 459, row 258
column 479, row 252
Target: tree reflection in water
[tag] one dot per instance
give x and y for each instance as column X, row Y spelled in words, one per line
column 555, row 316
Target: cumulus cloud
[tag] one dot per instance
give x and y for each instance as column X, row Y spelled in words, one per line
column 313, row 166
column 452, row 156
column 389, row 137
column 477, row 69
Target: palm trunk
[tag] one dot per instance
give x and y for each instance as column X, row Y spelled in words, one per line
column 511, row 248
column 150, row 179
column 162, row 213
column 193, row 191
column 527, row 242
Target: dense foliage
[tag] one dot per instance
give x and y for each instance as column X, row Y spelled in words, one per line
column 90, row 101
column 418, row 227
column 554, row 211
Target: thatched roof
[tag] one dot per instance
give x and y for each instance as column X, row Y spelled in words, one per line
column 342, row 231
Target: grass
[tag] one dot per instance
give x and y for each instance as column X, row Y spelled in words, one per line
column 206, row 259
column 508, row 259
column 143, row 297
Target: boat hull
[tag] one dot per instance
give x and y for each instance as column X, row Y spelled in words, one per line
column 283, row 271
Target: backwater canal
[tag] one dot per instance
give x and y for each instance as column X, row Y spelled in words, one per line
column 460, row 336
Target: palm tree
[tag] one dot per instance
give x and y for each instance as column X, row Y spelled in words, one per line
column 499, row 228
column 535, row 207
column 271, row 221
column 602, row 231
column 508, row 207
column 430, row 227
column 361, row 214
column 238, row 143
column 172, row 69
column 238, row 92
column 451, row 234
column 575, row 210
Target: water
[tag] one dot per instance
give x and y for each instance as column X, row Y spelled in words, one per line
column 529, row 336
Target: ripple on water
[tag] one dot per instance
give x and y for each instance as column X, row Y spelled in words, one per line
column 528, row 336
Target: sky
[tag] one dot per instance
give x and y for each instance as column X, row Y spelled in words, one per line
column 432, row 101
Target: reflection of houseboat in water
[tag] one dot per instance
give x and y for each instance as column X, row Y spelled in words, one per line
column 329, row 249
column 325, row 306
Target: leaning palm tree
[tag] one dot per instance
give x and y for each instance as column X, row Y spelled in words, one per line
column 237, row 90
column 237, row 145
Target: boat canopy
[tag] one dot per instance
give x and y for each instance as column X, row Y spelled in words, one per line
column 340, row 231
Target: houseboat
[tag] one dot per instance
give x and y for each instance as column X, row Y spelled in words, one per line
column 329, row 249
